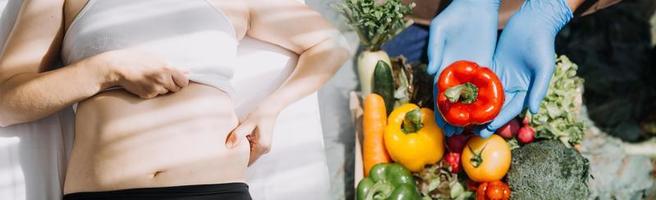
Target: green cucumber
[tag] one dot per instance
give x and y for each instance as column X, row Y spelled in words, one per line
column 383, row 84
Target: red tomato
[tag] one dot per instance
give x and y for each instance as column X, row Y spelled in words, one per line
column 495, row 190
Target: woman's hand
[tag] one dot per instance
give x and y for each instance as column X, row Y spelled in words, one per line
column 321, row 51
column 142, row 74
column 257, row 129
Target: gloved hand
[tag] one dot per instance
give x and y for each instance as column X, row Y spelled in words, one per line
column 465, row 30
column 525, row 57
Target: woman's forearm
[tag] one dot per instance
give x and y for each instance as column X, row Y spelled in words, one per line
column 601, row 4
column 30, row 96
column 509, row 7
column 294, row 26
column 574, row 4
column 314, row 68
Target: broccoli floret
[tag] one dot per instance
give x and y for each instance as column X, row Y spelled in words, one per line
column 548, row 170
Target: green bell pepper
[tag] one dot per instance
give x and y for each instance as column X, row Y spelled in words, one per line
column 388, row 181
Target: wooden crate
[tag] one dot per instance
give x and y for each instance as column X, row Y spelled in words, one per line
column 356, row 115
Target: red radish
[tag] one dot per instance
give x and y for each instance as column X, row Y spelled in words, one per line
column 526, row 120
column 453, row 160
column 456, row 143
column 526, row 134
column 509, row 130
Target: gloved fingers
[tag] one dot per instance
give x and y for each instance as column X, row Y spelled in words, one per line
column 447, row 128
column 436, row 42
column 450, row 130
column 485, row 133
column 513, row 106
column 540, row 84
column 481, row 131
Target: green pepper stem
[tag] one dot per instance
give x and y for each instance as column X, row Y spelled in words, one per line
column 412, row 121
column 382, row 188
column 465, row 93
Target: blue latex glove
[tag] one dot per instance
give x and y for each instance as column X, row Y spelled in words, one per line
column 465, row 30
column 525, row 57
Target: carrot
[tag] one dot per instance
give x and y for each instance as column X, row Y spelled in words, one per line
column 375, row 119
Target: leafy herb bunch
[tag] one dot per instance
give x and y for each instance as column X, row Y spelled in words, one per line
column 376, row 21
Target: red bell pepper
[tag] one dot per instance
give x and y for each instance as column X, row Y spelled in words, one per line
column 468, row 94
column 495, row 190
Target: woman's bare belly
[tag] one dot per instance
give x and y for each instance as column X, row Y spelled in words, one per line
column 122, row 141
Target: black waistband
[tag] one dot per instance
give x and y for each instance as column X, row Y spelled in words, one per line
column 237, row 191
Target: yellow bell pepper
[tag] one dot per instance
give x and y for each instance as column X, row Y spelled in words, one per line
column 412, row 137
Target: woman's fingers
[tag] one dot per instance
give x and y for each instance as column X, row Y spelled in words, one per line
column 152, row 91
column 145, row 75
column 257, row 150
column 171, row 85
column 447, row 129
column 180, row 78
column 164, row 80
column 260, row 141
column 265, row 136
column 545, row 66
column 513, row 105
column 435, row 49
column 236, row 136
column 161, row 90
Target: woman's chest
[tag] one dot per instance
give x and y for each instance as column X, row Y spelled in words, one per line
column 192, row 33
column 236, row 12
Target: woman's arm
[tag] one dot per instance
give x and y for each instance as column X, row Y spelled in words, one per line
column 321, row 49
column 600, row 4
column 29, row 93
column 33, row 45
column 294, row 26
column 509, row 7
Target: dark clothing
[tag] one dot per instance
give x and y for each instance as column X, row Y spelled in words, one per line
column 411, row 43
column 231, row 191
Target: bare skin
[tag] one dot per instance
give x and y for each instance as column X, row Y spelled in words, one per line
column 425, row 10
column 162, row 129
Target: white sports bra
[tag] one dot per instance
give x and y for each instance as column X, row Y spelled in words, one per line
column 191, row 34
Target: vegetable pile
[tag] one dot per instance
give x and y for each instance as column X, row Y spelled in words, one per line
column 405, row 154
column 467, row 166
column 412, row 141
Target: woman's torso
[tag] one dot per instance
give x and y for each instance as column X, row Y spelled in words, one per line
column 123, row 141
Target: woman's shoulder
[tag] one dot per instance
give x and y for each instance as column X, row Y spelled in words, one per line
column 237, row 12
column 71, row 9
